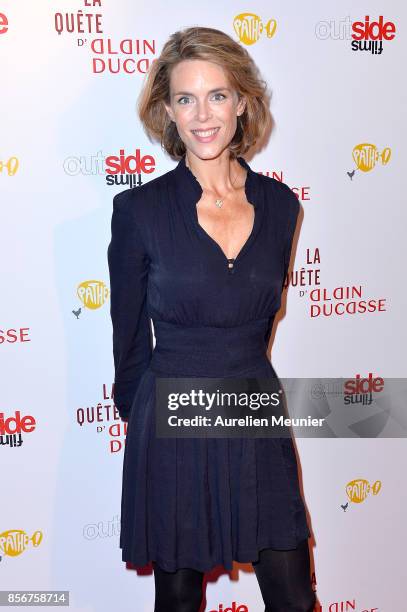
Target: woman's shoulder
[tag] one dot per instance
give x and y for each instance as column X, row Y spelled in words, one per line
column 280, row 195
column 149, row 189
column 143, row 197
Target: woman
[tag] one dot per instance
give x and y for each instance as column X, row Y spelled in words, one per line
column 203, row 250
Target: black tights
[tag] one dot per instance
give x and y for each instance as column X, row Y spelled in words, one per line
column 283, row 577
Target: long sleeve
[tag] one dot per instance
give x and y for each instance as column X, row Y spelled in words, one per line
column 293, row 209
column 289, row 206
column 128, row 269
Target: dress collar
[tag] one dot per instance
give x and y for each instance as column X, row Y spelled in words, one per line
column 190, row 188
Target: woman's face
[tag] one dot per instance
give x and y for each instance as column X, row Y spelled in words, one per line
column 202, row 100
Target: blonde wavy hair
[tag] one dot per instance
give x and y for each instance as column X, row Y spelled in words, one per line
column 214, row 46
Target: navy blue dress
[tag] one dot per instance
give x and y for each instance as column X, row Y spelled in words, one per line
column 198, row 502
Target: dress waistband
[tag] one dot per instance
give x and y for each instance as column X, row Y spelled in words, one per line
column 210, row 351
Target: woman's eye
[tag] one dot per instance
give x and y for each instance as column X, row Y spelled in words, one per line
column 180, row 100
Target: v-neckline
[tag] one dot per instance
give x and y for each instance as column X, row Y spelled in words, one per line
column 195, row 194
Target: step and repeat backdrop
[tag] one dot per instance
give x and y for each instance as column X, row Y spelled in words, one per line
column 70, row 139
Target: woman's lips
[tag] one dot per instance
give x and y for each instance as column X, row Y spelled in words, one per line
column 211, row 135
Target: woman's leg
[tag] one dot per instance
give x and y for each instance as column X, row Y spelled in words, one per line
column 284, row 579
column 179, row 591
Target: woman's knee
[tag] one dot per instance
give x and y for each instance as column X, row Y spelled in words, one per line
column 307, row 604
column 180, row 601
column 179, row 591
column 284, row 579
column 300, row 605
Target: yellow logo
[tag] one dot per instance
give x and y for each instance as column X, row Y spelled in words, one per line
column 93, row 294
column 366, row 156
column 249, row 27
column 357, row 490
column 15, row 541
column 11, row 164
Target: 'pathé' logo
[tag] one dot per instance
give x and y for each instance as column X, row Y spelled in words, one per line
column 249, row 27
column 93, row 293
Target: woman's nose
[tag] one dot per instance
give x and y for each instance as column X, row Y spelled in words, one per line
column 203, row 111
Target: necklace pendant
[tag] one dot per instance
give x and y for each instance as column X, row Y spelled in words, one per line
column 219, row 203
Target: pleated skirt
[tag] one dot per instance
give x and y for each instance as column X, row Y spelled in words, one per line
column 202, row 502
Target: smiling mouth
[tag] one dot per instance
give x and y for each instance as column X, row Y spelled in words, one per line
column 205, row 133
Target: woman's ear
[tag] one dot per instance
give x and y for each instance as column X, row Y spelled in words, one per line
column 241, row 105
column 169, row 112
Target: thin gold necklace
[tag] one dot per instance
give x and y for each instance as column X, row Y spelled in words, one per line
column 218, row 201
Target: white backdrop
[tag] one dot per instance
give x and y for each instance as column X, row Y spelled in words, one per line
column 64, row 111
